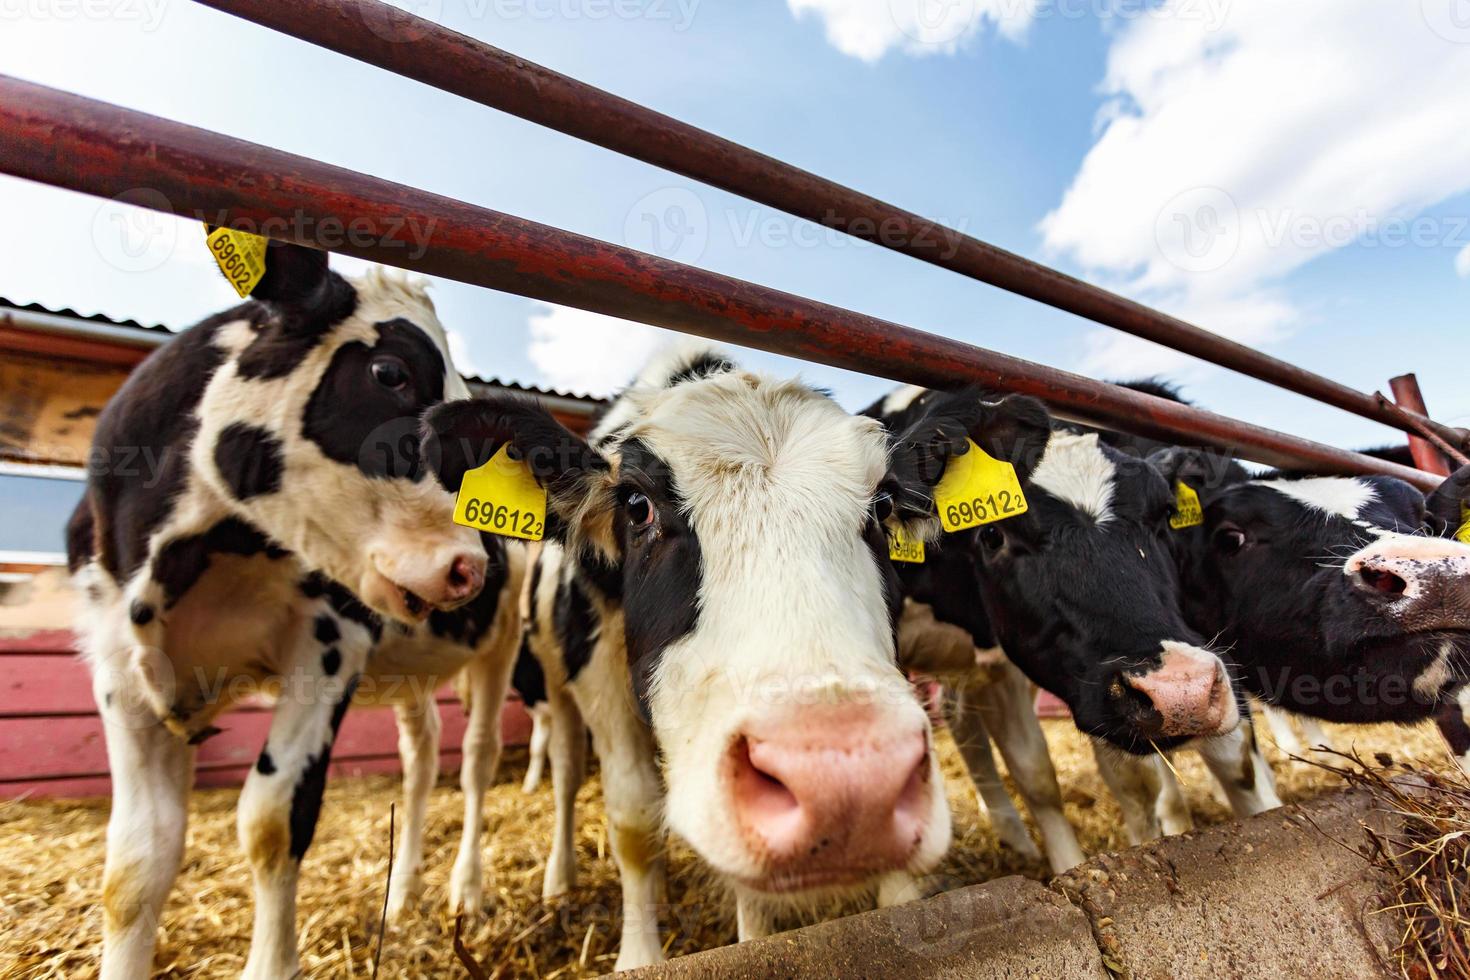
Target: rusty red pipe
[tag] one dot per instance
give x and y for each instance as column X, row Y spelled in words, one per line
column 69, row 141
column 414, row 47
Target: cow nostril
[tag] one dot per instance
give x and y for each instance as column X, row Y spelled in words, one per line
column 464, row 576
column 1382, row 582
column 1133, row 700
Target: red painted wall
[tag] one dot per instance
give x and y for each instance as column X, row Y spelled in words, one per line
column 51, row 736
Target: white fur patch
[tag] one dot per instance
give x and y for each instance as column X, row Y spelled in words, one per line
column 902, row 398
column 1341, row 495
column 655, row 376
column 1075, row 470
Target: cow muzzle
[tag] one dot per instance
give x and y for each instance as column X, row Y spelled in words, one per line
column 408, row 587
column 1189, row 695
column 827, row 796
column 1419, row 583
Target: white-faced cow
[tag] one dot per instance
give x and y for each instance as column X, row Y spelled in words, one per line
column 722, row 613
column 282, row 517
column 1334, row 602
column 1081, row 593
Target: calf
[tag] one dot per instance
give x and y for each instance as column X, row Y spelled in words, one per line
column 1081, row 593
column 720, row 607
column 283, row 516
column 1333, row 601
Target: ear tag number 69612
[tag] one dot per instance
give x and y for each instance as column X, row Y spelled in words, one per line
column 978, row 489
column 502, row 497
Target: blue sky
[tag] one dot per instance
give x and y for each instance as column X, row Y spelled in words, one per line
column 1293, row 175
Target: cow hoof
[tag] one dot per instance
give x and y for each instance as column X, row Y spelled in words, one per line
column 635, row 955
column 466, row 893
column 403, row 896
column 554, row 885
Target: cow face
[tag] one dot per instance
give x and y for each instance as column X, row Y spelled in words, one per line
column 1329, row 599
column 759, row 606
column 309, row 430
column 1081, row 590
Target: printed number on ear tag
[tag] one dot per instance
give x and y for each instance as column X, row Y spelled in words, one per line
column 901, row 548
column 240, row 255
column 1187, row 509
column 978, row 489
column 502, row 497
column 1463, row 534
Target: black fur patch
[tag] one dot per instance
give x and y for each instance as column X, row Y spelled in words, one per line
column 350, row 414
column 249, row 459
column 140, row 612
column 343, row 602
column 326, row 630
column 469, row 623
column 182, row 562
column 285, row 333
column 527, row 677
column 332, row 662
column 1450, row 718
column 575, row 621
column 265, row 765
column 306, row 798
column 705, row 365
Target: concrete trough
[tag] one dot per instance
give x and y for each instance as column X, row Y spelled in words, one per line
column 1284, row 894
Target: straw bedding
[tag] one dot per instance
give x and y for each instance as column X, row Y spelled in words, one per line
column 51, row 861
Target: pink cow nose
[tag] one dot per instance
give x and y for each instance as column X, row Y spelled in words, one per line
column 830, row 795
column 1190, row 693
column 1420, row 583
column 465, row 578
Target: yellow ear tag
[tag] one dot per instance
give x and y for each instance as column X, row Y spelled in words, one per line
column 502, row 497
column 901, row 548
column 978, row 489
column 1187, row 509
column 240, row 255
column 1463, row 534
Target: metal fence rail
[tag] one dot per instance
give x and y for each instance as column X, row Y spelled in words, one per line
column 411, row 46
column 66, row 140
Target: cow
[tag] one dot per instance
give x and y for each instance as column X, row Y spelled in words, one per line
column 283, row 538
column 715, row 599
column 1081, row 593
column 1333, row 600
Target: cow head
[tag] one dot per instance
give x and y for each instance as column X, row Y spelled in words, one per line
column 1329, row 597
column 744, row 517
column 309, row 430
column 1081, row 590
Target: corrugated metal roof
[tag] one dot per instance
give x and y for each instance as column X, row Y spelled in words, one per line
column 160, row 329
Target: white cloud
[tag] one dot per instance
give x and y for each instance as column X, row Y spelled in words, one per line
column 869, row 29
column 1226, row 158
column 590, row 353
column 1462, row 262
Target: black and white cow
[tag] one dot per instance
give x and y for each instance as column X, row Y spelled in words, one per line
column 722, row 613
column 255, row 510
column 1081, row 593
column 1334, row 602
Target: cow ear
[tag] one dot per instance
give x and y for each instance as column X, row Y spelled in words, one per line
column 459, row 436
column 296, row 277
column 1449, row 504
column 1014, row 428
column 1202, row 470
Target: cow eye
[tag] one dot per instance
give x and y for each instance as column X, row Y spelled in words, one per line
column 883, row 507
column 390, row 372
column 639, row 510
column 992, row 537
column 1229, row 540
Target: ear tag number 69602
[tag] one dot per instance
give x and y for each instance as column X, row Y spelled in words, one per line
column 1187, row 509
column 978, row 489
column 502, row 497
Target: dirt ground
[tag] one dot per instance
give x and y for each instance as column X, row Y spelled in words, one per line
column 51, row 867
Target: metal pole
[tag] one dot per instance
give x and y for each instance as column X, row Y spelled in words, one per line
column 1426, row 455
column 417, row 48
column 66, row 140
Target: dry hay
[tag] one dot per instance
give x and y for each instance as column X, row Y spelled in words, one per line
column 51, row 865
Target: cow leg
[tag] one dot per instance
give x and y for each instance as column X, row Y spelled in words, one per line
column 1282, row 732
column 1009, row 701
column 972, row 738
column 540, row 737
column 568, row 754
column 1453, row 719
column 418, row 748
column 487, row 679
column 633, row 796
column 1238, row 766
column 1313, row 733
column 1139, row 784
column 152, row 771
column 282, row 797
